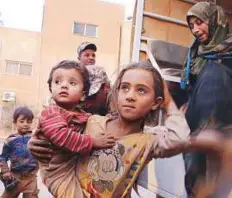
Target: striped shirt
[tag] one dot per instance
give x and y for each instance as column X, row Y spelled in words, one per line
column 64, row 128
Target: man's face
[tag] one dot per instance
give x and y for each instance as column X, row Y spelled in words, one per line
column 87, row 57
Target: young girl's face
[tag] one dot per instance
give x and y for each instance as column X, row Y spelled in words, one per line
column 136, row 96
column 67, row 87
column 199, row 29
column 23, row 124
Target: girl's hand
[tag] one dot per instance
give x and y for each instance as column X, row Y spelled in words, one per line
column 184, row 108
column 40, row 147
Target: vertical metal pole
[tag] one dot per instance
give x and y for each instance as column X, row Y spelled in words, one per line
column 138, row 30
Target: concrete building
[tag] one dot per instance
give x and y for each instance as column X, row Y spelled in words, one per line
column 68, row 23
column 19, row 66
column 26, row 58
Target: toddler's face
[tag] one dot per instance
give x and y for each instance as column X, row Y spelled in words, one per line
column 67, row 87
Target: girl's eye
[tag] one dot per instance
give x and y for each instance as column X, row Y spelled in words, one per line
column 124, row 87
column 141, row 90
column 73, row 83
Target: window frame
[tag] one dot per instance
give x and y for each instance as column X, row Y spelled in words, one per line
column 18, row 68
column 85, row 24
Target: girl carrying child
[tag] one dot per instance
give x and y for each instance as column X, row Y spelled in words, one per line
column 62, row 123
column 138, row 94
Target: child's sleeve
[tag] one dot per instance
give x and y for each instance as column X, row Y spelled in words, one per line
column 171, row 137
column 55, row 128
column 4, row 157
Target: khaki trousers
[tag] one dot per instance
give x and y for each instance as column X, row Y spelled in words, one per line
column 27, row 184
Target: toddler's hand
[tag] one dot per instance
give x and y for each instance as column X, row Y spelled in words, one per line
column 103, row 141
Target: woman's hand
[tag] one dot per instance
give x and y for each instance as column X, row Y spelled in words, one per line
column 40, row 147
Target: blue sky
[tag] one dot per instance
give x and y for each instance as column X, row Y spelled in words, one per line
column 27, row 14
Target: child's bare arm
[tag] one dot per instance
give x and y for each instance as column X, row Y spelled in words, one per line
column 56, row 129
column 174, row 132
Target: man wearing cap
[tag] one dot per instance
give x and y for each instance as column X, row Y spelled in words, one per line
column 97, row 100
column 86, row 53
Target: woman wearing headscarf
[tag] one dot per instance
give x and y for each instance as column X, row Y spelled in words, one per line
column 207, row 77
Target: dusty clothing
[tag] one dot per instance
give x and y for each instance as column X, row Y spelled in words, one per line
column 64, row 129
column 27, row 184
column 23, row 166
column 112, row 172
column 15, row 151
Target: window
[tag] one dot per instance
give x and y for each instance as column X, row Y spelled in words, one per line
column 25, row 69
column 85, row 29
column 79, row 28
column 91, row 30
column 16, row 67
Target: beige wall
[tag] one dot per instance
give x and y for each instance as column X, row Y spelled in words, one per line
column 23, row 46
column 59, row 42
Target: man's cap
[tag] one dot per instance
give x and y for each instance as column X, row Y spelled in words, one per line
column 86, row 45
column 97, row 77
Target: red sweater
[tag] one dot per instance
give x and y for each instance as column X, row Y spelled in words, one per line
column 64, row 128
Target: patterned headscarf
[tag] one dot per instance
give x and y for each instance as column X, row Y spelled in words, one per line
column 220, row 40
column 97, row 77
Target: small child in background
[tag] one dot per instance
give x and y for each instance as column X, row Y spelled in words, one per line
column 63, row 122
column 21, row 176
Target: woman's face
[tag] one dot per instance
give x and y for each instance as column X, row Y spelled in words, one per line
column 199, row 29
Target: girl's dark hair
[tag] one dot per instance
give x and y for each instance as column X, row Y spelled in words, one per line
column 158, row 83
column 25, row 111
column 67, row 64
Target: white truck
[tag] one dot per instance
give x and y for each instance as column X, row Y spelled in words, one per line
column 160, row 34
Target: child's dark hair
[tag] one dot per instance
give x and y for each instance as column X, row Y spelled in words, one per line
column 24, row 111
column 67, row 64
column 144, row 65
